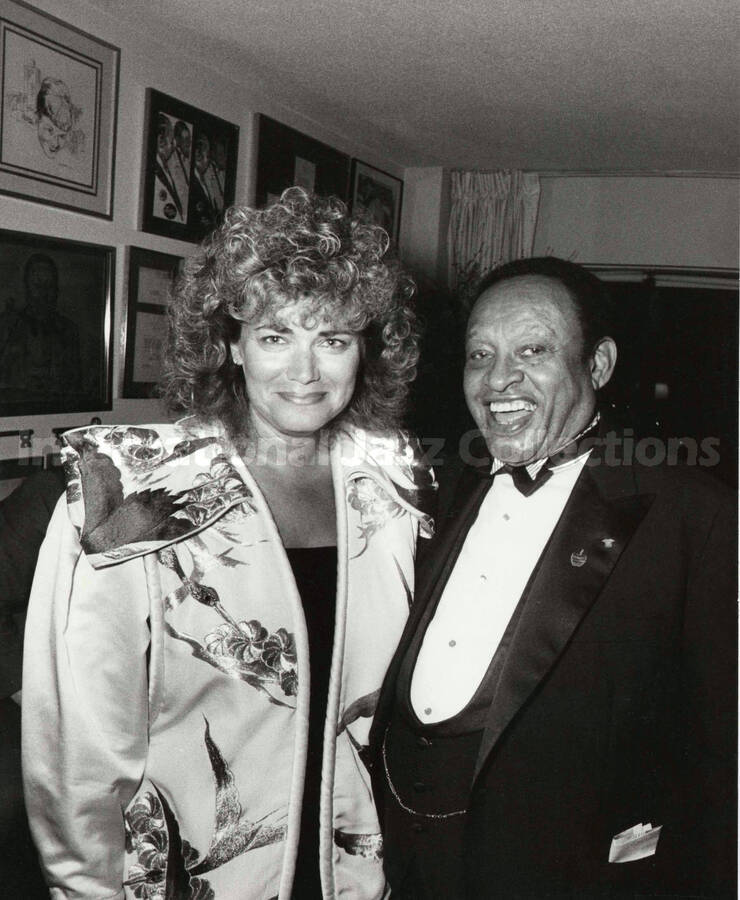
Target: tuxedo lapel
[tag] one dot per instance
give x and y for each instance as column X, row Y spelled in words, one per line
column 588, row 540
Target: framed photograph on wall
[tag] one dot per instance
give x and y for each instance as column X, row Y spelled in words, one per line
column 56, row 323
column 377, row 195
column 286, row 157
column 190, row 161
column 151, row 276
column 58, row 106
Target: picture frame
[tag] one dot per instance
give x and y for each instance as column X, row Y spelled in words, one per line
column 377, row 195
column 190, row 162
column 151, row 276
column 58, row 111
column 56, row 325
column 286, row 157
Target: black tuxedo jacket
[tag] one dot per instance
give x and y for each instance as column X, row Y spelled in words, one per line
column 617, row 703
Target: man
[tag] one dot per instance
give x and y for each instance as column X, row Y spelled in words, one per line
column 179, row 163
column 203, row 198
column 167, row 201
column 39, row 346
column 568, row 671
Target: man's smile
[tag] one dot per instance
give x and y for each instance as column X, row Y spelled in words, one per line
column 513, row 413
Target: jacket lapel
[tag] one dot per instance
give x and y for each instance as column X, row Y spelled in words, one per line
column 588, row 540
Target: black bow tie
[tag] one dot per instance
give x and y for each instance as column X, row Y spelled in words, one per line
column 525, row 483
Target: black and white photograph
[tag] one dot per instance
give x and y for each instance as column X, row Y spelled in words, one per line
column 381, row 540
column 56, row 305
column 287, row 157
column 377, row 196
column 151, row 277
column 189, row 171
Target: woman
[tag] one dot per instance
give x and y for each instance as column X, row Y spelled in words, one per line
column 214, row 612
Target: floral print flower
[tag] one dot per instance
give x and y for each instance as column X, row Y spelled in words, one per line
column 141, row 446
column 146, row 836
column 376, row 508
column 289, row 682
column 244, row 644
column 248, row 651
column 279, row 651
column 213, row 492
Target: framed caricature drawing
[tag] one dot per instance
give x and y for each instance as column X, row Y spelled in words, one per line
column 58, row 104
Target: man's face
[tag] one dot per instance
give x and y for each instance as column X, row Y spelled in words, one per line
column 165, row 143
column 51, row 138
column 526, row 382
column 202, row 154
column 183, row 142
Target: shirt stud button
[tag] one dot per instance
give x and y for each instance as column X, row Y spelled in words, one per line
column 453, row 644
column 484, row 578
column 428, row 711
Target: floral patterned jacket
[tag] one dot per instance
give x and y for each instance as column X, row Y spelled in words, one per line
column 165, row 686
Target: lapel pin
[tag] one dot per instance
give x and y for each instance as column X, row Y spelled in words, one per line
column 608, row 543
column 578, row 559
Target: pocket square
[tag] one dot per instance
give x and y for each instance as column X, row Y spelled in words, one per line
column 634, row 843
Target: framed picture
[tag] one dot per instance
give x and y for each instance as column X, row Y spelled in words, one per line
column 151, row 276
column 56, row 323
column 286, row 157
column 377, row 195
column 189, row 168
column 58, row 105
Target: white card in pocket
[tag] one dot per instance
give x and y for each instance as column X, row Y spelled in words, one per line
column 634, row 843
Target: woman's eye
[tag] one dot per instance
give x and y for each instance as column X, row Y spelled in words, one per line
column 272, row 339
column 335, row 343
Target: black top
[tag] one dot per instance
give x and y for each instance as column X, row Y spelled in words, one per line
column 315, row 573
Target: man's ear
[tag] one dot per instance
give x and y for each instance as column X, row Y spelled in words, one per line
column 603, row 360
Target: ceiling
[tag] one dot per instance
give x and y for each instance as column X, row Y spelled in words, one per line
column 548, row 85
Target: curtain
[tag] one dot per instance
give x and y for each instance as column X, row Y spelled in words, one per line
column 492, row 221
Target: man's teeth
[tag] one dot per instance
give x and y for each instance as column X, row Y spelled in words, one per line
column 499, row 406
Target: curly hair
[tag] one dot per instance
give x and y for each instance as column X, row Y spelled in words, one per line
column 302, row 249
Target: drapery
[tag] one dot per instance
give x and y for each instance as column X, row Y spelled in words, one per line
column 492, row 221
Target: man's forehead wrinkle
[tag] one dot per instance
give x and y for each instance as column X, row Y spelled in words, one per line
column 527, row 327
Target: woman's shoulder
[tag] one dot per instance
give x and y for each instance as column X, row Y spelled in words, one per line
column 135, row 488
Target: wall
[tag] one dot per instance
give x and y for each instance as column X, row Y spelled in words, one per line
column 161, row 62
column 667, row 221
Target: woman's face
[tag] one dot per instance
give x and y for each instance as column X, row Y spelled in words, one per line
column 300, row 373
